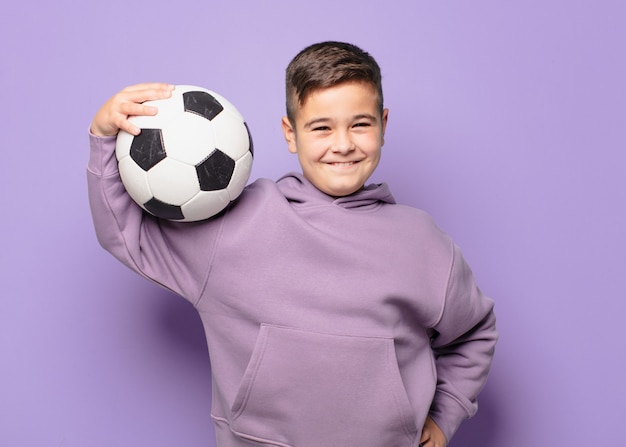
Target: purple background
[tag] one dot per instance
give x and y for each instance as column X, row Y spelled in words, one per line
column 507, row 124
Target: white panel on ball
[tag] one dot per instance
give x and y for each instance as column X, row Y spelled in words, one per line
column 173, row 182
column 135, row 180
column 228, row 105
column 240, row 176
column 122, row 145
column 231, row 136
column 205, row 203
column 189, row 139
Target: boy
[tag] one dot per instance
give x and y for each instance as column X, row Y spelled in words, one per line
column 334, row 317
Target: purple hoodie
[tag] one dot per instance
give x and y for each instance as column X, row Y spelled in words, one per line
column 330, row 322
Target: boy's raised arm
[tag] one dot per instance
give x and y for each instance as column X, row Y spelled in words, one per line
column 174, row 255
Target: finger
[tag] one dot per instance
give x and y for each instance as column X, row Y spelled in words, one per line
column 128, row 126
column 141, row 96
column 149, row 86
column 147, row 92
column 424, row 438
column 137, row 109
column 132, row 109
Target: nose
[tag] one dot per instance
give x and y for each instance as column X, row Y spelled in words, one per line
column 342, row 143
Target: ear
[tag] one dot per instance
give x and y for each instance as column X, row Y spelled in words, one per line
column 384, row 118
column 290, row 135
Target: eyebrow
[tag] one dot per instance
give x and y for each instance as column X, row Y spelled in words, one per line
column 317, row 121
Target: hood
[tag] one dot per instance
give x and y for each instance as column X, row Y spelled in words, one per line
column 298, row 189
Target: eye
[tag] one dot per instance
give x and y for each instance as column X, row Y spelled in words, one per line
column 363, row 124
column 321, row 129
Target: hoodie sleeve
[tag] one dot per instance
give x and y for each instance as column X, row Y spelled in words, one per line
column 463, row 341
column 174, row 255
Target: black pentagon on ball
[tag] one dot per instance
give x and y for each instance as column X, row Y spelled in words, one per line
column 202, row 103
column 147, row 148
column 215, row 171
column 164, row 210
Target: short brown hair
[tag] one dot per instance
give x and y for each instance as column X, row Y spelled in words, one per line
column 327, row 64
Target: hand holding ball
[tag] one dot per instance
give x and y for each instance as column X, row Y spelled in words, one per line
column 190, row 160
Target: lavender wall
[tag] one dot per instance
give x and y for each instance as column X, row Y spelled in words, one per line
column 507, row 124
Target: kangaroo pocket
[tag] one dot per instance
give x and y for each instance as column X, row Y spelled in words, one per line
column 305, row 388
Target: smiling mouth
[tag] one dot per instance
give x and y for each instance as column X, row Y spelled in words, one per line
column 343, row 164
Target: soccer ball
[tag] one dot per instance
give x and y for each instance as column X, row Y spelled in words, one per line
column 190, row 160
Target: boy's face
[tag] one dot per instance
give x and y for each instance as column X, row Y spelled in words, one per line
column 338, row 137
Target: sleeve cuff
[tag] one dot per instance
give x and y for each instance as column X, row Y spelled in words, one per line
column 102, row 159
column 448, row 414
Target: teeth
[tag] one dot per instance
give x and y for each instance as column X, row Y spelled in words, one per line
column 349, row 163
